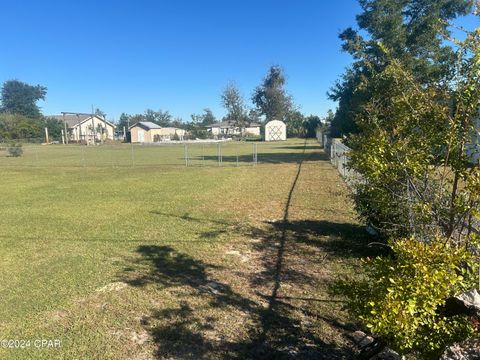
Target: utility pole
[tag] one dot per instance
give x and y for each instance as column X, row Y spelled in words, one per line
column 186, row 154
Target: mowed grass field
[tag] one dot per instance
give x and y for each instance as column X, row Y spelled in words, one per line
column 173, row 262
column 228, row 153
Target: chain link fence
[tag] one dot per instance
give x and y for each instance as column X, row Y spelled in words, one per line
column 338, row 154
column 33, row 152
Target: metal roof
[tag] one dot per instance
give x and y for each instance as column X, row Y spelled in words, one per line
column 147, row 125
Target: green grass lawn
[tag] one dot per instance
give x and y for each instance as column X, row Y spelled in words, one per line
column 232, row 153
column 157, row 261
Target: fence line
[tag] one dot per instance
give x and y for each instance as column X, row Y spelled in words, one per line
column 338, row 154
column 31, row 152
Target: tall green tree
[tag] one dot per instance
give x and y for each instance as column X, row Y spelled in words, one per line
column 233, row 102
column 137, row 118
column 202, row 120
column 254, row 116
column 162, row 118
column 327, row 120
column 311, row 123
column 414, row 31
column 208, row 118
column 55, row 128
column 419, row 190
column 270, row 97
column 177, row 122
column 21, row 98
column 100, row 113
column 295, row 122
column 196, row 119
column 124, row 121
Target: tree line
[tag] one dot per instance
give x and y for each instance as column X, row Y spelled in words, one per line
column 20, row 116
column 270, row 101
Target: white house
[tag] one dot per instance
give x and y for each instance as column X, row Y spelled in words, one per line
column 148, row 132
column 227, row 128
column 87, row 127
column 275, row 130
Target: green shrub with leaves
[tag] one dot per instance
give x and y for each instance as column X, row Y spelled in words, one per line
column 400, row 299
column 410, row 151
column 419, row 189
column 15, row 150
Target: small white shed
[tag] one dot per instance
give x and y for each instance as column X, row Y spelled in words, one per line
column 275, row 130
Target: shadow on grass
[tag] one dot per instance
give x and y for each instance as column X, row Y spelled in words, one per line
column 179, row 331
column 162, row 266
column 342, row 240
column 274, row 322
column 267, row 158
column 299, row 147
column 183, row 331
column 188, row 217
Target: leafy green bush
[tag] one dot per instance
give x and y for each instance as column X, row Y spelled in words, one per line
column 15, row 150
column 416, row 183
column 410, row 151
column 401, row 298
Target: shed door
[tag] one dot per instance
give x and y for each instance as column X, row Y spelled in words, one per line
column 141, row 136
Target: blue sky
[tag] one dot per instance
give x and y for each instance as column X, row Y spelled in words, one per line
column 127, row 56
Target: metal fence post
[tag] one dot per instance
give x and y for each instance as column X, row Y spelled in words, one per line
column 133, row 156
column 219, row 153
column 82, row 149
column 36, row 155
column 112, row 158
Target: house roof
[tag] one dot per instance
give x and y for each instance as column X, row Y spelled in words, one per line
column 230, row 124
column 147, row 125
column 74, row 120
